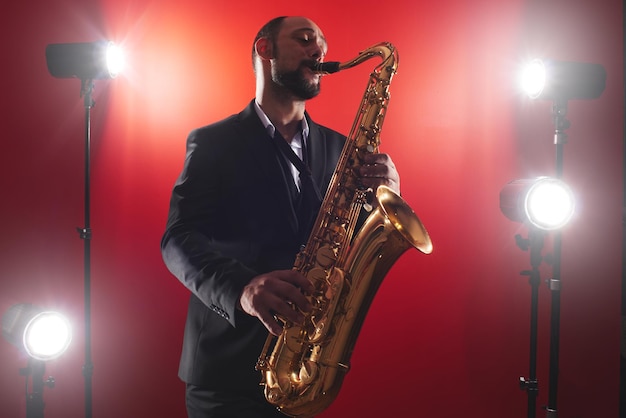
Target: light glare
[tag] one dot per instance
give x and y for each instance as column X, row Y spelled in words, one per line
column 533, row 78
column 562, row 80
column 47, row 335
column 544, row 202
column 114, row 59
column 549, row 204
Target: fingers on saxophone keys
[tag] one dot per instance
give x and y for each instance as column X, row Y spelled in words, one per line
column 288, row 313
column 374, row 171
column 274, row 325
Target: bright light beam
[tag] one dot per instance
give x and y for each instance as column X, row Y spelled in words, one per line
column 47, row 335
column 533, row 78
column 546, row 203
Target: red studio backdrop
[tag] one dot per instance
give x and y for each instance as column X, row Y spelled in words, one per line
column 448, row 333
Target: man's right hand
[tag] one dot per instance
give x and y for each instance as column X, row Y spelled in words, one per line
column 276, row 294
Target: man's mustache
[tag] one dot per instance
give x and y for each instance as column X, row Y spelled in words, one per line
column 310, row 64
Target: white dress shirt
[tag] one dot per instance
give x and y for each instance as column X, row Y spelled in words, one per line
column 296, row 142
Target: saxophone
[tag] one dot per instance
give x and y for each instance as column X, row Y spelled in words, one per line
column 308, row 362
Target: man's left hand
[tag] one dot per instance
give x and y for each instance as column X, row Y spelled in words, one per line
column 379, row 169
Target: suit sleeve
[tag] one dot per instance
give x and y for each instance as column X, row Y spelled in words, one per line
column 203, row 260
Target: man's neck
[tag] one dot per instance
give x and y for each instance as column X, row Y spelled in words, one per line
column 285, row 113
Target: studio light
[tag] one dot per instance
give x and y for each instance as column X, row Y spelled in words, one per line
column 562, row 80
column 86, row 61
column 546, row 203
column 44, row 335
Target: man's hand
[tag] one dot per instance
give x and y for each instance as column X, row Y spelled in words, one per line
column 276, row 294
column 379, row 169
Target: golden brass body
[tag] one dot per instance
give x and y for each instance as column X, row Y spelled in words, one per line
column 308, row 362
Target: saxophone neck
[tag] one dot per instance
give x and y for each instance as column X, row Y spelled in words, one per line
column 385, row 50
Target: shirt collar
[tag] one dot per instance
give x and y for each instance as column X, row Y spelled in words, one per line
column 267, row 123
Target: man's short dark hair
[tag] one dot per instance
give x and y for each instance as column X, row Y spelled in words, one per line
column 270, row 31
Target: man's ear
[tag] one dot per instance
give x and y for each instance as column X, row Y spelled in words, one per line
column 263, row 48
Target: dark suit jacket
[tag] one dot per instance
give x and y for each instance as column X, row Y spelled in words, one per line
column 231, row 218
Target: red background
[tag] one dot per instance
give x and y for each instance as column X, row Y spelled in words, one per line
column 448, row 333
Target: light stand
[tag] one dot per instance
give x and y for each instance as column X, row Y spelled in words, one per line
column 535, row 244
column 559, row 82
column 87, row 62
column 559, row 111
column 43, row 335
column 34, row 399
column 543, row 204
column 85, row 234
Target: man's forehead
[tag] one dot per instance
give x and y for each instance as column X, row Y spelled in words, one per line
column 300, row 24
column 295, row 24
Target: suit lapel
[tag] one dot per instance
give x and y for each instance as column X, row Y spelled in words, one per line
column 317, row 153
column 262, row 150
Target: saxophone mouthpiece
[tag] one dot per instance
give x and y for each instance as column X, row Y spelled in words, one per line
column 326, row 67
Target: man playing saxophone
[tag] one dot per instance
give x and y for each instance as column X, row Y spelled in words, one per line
column 240, row 211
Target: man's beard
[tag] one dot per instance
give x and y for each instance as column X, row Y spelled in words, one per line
column 296, row 83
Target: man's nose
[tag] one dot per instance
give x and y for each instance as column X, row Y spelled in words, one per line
column 316, row 51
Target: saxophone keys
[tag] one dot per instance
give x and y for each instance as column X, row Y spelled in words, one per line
column 326, row 256
column 308, row 372
column 275, row 395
